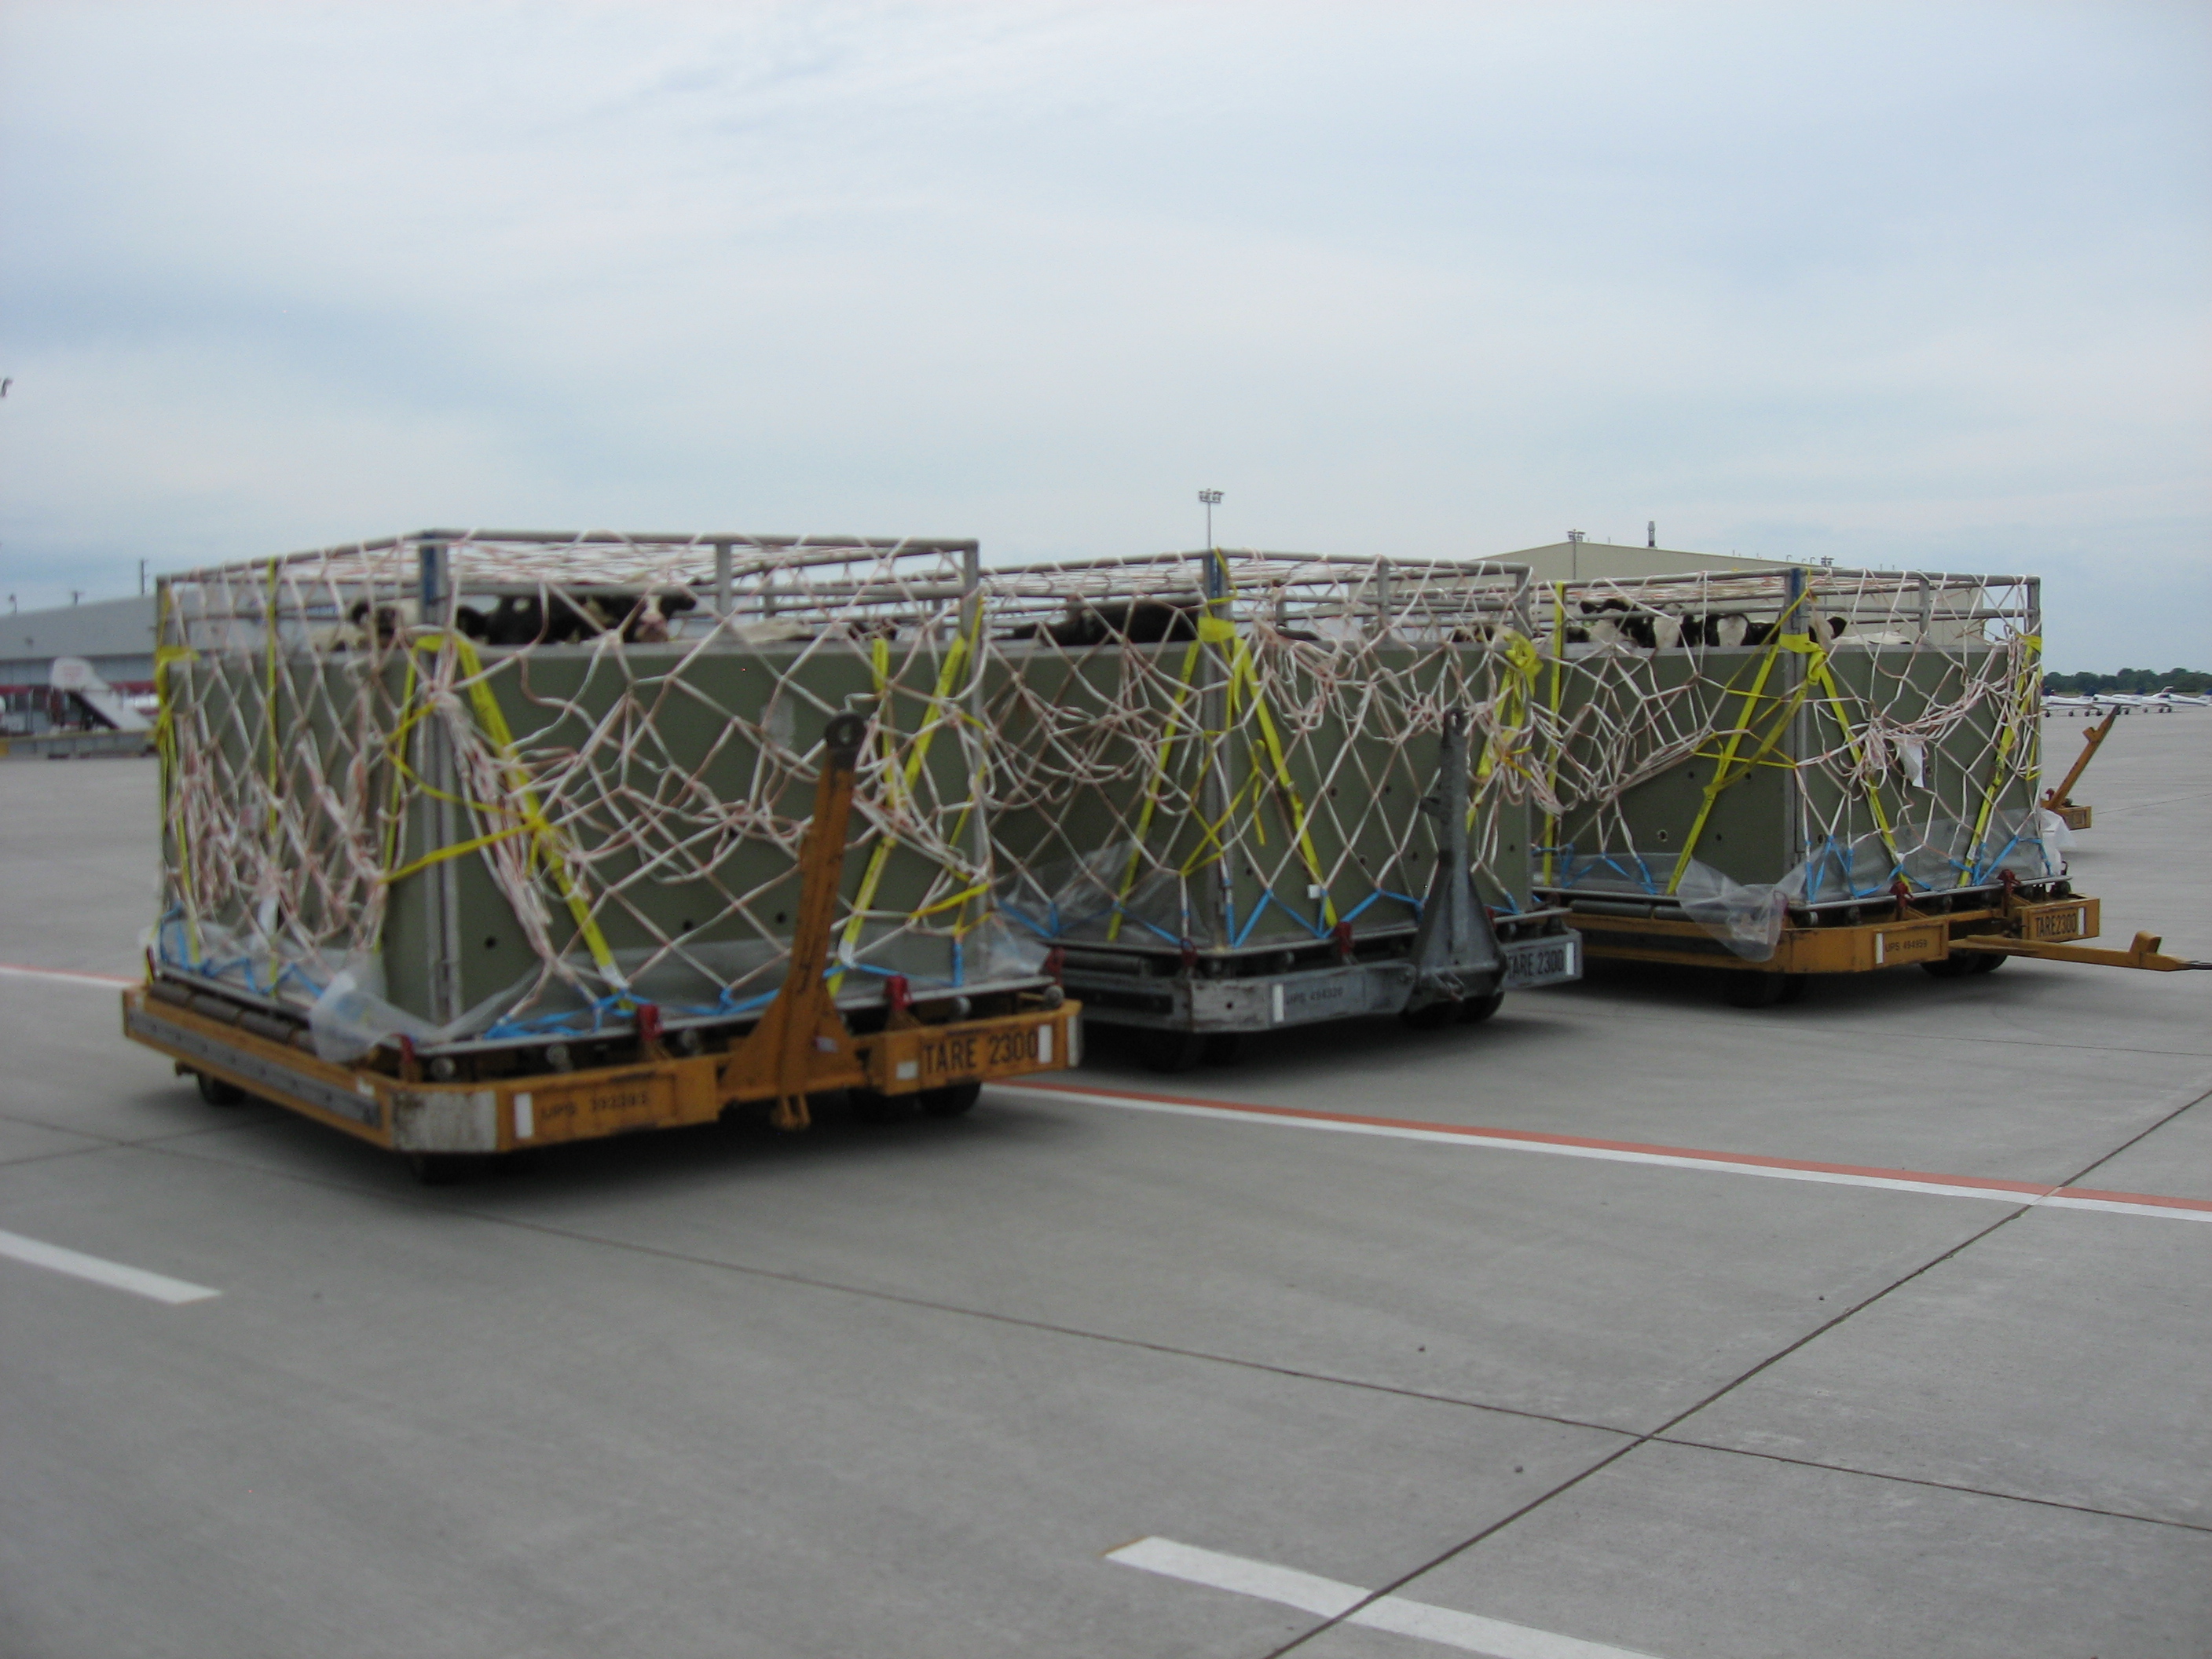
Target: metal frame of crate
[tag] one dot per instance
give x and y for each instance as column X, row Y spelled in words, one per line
column 1211, row 767
column 503, row 843
column 1737, row 760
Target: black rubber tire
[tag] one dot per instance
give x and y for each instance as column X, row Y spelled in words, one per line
column 952, row 1101
column 1793, row 987
column 1430, row 1016
column 1949, row 967
column 1224, row 1047
column 1988, row 962
column 1170, row 1051
column 1754, row 989
column 1475, row 1009
column 216, row 1092
column 869, row 1107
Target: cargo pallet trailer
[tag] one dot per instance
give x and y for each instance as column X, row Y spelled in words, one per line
column 1226, row 814
column 1799, row 742
column 446, row 1111
column 1950, row 935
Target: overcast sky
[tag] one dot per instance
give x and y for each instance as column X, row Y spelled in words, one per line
column 1924, row 285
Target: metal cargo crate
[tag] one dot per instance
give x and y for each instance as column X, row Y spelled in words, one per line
column 481, row 790
column 1230, row 784
column 1754, row 754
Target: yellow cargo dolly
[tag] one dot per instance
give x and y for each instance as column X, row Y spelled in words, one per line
column 800, row 1046
column 1948, row 935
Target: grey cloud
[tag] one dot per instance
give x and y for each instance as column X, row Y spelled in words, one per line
column 1908, row 285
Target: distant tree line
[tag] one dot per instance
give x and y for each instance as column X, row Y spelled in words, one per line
column 2194, row 681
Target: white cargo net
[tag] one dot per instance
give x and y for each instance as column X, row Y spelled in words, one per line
column 1211, row 751
column 599, row 722
column 1904, row 708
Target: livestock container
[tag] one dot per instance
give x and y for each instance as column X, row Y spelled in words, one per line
column 1798, row 770
column 1238, row 791
column 463, row 808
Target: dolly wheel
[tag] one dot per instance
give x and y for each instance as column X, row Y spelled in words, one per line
column 869, row 1107
column 216, row 1092
column 1793, row 987
column 1475, row 1009
column 1988, row 962
column 1224, row 1047
column 1956, row 967
column 951, row 1101
column 1430, row 1016
column 1167, row 1050
column 1754, row 989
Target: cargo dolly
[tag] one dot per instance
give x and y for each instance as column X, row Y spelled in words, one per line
column 1948, row 935
column 445, row 1111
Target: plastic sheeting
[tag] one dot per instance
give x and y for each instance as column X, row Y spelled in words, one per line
column 1077, row 898
column 351, row 1016
column 1749, row 917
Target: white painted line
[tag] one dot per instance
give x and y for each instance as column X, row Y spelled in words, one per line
column 1772, row 1169
column 17, row 970
column 2115, row 1206
column 1308, row 1592
column 136, row 1280
column 1471, row 1633
column 1328, row 1599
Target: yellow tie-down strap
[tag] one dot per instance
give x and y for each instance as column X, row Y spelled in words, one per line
column 1157, row 780
column 1746, row 723
column 548, row 847
column 165, row 747
column 1522, row 663
column 1244, row 676
column 899, row 784
column 2018, row 713
column 1817, row 674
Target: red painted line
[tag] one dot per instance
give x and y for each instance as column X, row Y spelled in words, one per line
column 65, row 973
column 2029, row 1189
column 1537, row 1137
column 2133, row 1198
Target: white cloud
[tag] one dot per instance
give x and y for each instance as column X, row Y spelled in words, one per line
column 1911, row 285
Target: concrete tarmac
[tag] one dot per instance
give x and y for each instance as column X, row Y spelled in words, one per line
column 901, row 1390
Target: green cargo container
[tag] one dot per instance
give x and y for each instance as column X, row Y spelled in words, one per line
column 1212, row 800
column 1823, row 733
column 503, row 842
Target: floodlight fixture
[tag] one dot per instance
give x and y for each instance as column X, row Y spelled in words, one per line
column 1213, row 499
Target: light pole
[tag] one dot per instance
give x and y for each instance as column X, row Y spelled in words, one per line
column 1213, row 499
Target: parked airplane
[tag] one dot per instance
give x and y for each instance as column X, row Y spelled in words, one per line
column 2163, row 701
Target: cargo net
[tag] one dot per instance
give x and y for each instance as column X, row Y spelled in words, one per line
column 566, row 714
column 1176, row 771
column 1905, row 708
